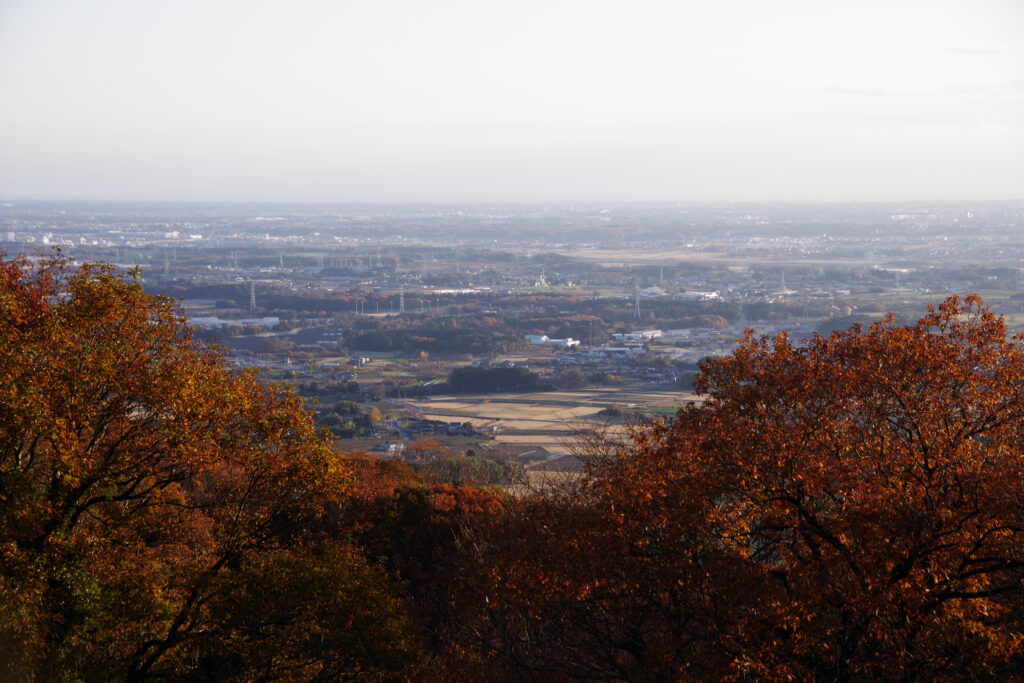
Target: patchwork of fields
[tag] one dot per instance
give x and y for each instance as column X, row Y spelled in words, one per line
column 545, row 419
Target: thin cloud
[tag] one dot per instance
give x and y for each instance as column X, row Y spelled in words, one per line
column 869, row 90
column 1003, row 87
column 976, row 50
column 1006, row 87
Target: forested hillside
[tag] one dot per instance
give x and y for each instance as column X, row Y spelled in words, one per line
column 847, row 508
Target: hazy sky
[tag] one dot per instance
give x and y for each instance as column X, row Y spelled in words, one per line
column 529, row 100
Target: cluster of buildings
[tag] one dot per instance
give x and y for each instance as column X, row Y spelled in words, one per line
column 544, row 340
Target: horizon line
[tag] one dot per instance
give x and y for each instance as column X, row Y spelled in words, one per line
column 8, row 201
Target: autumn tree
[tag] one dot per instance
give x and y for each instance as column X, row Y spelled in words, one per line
column 159, row 512
column 851, row 507
column 416, row 530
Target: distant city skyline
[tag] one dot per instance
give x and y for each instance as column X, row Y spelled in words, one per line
column 558, row 101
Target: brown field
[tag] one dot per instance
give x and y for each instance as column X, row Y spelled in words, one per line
column 534, row 482
column 544, row 419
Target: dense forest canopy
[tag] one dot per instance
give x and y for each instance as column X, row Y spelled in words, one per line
column 160, row 515
column 846, row 508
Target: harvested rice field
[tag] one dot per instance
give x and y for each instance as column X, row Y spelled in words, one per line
column 546, row 419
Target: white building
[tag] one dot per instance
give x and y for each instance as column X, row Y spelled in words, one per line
column 544, row 340
column 637, row 336
column 698, row 296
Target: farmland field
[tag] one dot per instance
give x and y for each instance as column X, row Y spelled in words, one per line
column 547, row 418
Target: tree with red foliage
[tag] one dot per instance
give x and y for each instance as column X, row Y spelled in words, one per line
column 847, row 508
column 416, row 529
column 158, row 511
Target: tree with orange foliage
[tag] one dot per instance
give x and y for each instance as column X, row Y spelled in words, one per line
column 847, row 508
column 158, row 510
column 414, row 528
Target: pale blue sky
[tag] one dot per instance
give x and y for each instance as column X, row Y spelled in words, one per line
column 530, row 100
